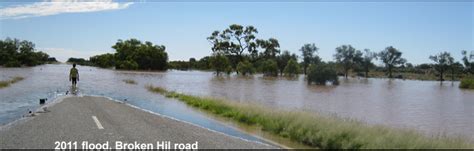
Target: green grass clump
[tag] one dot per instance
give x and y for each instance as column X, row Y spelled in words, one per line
column 7, row 83
column 129, row 81
column 467, row 83
column 4, row 84
column 157, row 90
column 16, row 79
column 325, row 132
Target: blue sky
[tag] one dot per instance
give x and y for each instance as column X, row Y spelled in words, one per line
column 418, row 29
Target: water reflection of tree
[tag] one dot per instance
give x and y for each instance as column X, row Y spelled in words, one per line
column 364, row 81
column 321, row 88
column 390, row 83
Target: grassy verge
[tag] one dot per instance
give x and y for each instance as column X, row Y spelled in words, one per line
column 129, row 81
column 467, row 83
column 315, row 130
column 7, row 83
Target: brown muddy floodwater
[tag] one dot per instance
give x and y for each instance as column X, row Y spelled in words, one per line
column 427, row 106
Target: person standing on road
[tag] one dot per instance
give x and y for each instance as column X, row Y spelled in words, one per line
column 74, row 75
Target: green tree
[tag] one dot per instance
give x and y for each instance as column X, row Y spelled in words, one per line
column 347, row 56
column 322, row 73
column 203, row 63
column 15, row 53
column 468, row 60
column 245, row 67
column 443, row 62
column 179, row 65
column 220, row 63
column 292, row 68
column 234, row 40
column 455, row 69
column 9, row 51
column 269, row 67
column 192, row 63
column 367, row 61
column 40, row 58
column 127, row 64
column 391, row 57
column 283, row 58
column 270, row 47
column 79, row 61
column 146, row 55
column 26, row 55
column 308, row 52
column 104, row 60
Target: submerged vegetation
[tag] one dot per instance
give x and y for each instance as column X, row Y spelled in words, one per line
column 467, row 83
column 240, row 43
column 292, row 68
column 322, row 73
column 241, row 50
column 129, row 81
column 8, row 82
column 317, row 131
column 269, row 68
column 220, row 63
column 245, row 68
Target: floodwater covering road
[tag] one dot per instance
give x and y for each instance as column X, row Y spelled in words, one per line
column 100, row 123
column 427, row 106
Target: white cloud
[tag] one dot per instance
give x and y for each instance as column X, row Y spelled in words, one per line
column 62, row 54
column 54, row 7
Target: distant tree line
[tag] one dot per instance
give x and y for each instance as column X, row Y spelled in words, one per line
column 238, row 49
column 80, row 61
column 130, row 54
column 17, row 53
column 192, row 63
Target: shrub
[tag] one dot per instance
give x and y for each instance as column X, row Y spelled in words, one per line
column 322, row 73
column 104, row 60
column 467, row 83
column 269, row 68
column 15, row 53
column 245, row 67
column 4, row 84
column 13, row 63
column 140, row 55
column 16, row 79
column 128, row 65
column 292, row 68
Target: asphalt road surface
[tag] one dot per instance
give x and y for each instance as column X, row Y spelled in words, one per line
column 93, row 122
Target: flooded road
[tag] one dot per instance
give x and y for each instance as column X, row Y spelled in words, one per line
column 51, row 81
column 426, row 106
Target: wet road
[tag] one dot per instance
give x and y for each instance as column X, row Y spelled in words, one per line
column 100, row 120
